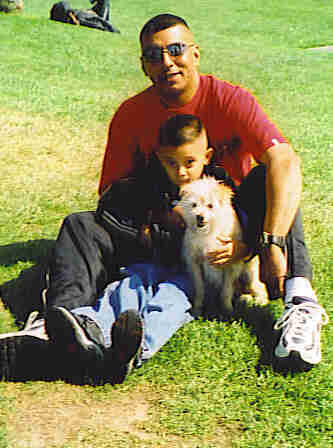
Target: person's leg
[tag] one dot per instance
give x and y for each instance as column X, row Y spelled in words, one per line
column 303, row 316
column 116, row 314
column 159, row 295
column 82, row 258
column 253, row 186
column 118, row 296
column 102, row 8
column 166, row 306
column 85, row 260
column 152, row 293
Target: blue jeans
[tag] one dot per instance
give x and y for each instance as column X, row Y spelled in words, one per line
column 157, row 293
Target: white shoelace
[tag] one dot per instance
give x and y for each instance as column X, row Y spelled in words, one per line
column 302, row 317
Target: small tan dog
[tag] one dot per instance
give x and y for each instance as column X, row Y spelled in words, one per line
column 206, row 207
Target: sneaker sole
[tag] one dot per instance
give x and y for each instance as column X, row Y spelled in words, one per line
column 281, row 353
column 292, row 364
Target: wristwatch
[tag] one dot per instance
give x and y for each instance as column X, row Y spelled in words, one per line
column 266, row 239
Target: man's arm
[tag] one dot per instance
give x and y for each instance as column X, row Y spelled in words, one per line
column 283, row 194
column 283, row 188
column 122, row 148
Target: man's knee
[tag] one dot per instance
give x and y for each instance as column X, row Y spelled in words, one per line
column 80, row 220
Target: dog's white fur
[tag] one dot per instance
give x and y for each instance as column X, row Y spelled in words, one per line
column 206, row 206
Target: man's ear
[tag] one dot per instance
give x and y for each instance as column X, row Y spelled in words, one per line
column 143, row 66
column 196, row 55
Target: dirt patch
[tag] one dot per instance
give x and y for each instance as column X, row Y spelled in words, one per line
column 62, row 414
column 58, row 415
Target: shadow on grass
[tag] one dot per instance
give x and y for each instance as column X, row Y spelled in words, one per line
column 260, row 321
column 33, row 250
column 23, row 294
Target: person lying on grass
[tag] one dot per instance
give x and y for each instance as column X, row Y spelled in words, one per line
column 91, row 246
column 9, row 6
column 98, row 17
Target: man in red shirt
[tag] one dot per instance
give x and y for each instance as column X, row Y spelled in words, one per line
column 86, row 254
column 237, row 129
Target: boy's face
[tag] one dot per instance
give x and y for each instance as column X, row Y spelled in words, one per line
column 185, row 163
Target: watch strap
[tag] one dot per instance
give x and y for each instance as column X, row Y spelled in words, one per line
column 266, row 239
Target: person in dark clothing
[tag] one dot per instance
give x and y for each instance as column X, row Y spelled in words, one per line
column 9, row 6
column 97, row 17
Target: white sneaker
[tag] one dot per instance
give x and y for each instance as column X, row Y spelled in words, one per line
column 301, row 323
column 34, row 325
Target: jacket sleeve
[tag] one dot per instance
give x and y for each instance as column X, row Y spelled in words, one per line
column 123, row 208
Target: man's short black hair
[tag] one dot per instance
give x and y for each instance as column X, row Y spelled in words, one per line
column 180, row 129
column 159, row 23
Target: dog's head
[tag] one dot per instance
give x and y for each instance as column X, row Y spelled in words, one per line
column 201, row 202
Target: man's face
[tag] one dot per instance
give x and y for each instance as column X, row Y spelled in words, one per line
column 173, row 76
column 185, row 163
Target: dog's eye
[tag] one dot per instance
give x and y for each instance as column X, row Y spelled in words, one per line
column 210, row 205
column 194, row 204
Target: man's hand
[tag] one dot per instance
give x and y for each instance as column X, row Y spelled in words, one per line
column 229, row 251
column 273, row 270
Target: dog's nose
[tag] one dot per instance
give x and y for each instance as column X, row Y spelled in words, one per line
column 200, row 221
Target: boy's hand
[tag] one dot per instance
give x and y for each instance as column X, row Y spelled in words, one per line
column 169, row 220
column 161, row 229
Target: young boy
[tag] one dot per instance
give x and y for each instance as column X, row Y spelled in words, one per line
column 139, row 313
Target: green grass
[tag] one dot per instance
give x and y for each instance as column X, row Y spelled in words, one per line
column 213, row 384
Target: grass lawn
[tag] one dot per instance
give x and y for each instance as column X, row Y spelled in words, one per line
column 214, row 384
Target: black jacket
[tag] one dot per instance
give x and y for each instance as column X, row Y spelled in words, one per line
column 141, row 199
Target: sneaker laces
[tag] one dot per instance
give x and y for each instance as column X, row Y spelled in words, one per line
column 300, row 319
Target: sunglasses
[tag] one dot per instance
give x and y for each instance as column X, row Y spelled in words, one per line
column 155, row 53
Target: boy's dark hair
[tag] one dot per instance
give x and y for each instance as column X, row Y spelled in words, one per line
column 180, row 129
column 159, row 23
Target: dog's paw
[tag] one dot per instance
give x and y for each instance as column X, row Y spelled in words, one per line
column 259, row 294
column 261, row 299
column 253, row 298
column 248, row 298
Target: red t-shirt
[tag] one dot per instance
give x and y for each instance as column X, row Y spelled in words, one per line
column 236, row 125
